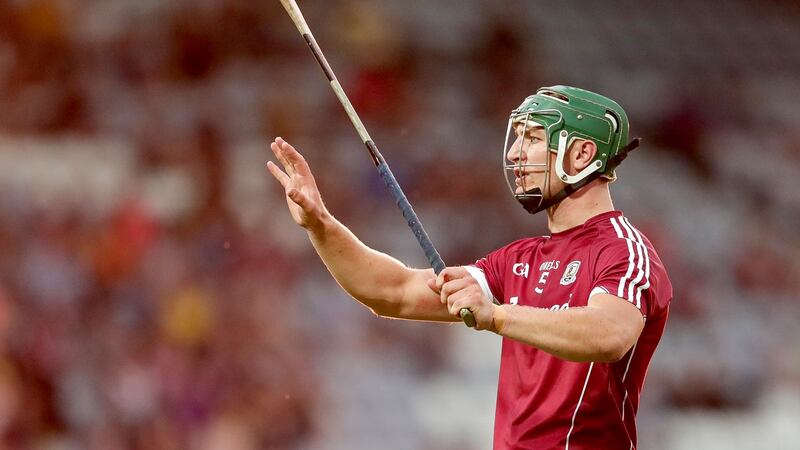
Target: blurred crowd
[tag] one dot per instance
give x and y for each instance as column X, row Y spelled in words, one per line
column 154, row 293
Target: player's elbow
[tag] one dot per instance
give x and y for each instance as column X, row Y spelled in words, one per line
column 615, row 337
column 389, row 306
column 612, row 349
column 381, row 307
column 385, row 309
column 384, row 303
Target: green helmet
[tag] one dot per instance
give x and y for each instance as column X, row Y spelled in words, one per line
column 569, row 113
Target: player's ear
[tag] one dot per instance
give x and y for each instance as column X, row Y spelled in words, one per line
column 582, row 154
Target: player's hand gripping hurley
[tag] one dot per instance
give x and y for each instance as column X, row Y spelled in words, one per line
column 388, row 178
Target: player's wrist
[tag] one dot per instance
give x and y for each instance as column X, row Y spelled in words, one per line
column 321, row 225
column 499, row 316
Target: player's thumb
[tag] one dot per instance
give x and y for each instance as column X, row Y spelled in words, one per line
column 433, row 286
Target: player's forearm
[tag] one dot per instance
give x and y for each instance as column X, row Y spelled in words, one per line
column 371, row 277
column 575, row 334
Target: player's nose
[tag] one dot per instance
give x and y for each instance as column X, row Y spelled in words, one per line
column 514, row 154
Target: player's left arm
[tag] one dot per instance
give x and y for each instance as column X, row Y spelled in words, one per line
column 602, row 331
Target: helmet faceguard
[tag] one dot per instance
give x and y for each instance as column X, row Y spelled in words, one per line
column 566, row 114
column 531, row 196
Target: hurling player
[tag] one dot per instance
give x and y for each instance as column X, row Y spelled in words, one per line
column 580, row 310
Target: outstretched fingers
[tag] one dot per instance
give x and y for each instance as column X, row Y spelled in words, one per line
column 294, row 194
column 276, row 172
column 280, row 153
column 293, row 157
column 302, row 196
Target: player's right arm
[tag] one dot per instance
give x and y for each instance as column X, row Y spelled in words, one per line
column 380, row 282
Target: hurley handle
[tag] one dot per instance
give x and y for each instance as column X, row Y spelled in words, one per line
column 419, row 232
column 408, row 212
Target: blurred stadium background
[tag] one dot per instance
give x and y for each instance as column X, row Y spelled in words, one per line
column 155, row 295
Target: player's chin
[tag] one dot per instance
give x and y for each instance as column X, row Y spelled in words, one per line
column 524, row 185
column 528, row 189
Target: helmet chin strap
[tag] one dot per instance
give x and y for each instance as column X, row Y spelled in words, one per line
column 534, row 200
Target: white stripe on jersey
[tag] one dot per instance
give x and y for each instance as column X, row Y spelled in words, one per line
column 631, row 288
column 639, row 238
column 616, row 227
column 639, row 260
column 580, row 400
column 627, row 276
column 628, row 366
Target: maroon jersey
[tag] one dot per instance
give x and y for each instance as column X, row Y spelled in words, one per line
column 544, row 402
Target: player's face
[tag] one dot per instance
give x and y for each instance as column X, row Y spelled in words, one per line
column 529, row 152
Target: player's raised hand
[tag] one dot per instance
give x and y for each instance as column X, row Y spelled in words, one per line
column 302, row 195
column 458, row 289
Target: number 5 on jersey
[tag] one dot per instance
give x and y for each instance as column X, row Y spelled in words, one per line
column 542, row 280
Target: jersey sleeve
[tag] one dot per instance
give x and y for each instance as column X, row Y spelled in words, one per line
column 492, row 267
column 623, row 269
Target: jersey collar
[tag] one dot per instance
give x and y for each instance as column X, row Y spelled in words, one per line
column 590, row 222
